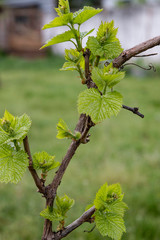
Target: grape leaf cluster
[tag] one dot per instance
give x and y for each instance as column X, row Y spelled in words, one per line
column 13, row 160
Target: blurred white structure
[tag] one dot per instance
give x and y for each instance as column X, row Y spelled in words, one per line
column 21, row 22
column 136, row 23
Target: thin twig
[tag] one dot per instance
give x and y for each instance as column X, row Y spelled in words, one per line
column 146, row 55
column 33, row 172
column 134, row 110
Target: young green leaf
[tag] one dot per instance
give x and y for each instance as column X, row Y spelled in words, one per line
column 59, row 21
column 69, row 66
column 44, row 161
column 84, row 14
column 107, row 33
column 101, row 197
column 22, row 126
column 4, row 137
column 64, row 204
column 104, row 50
column 9, row 118
column 63, row 7
column 98, row 106
column 13, row 164
column 75, row 60
column 110, row 211
column 95, row 46
column 111, row 50
column 64, row 132
column 108, row 196
column 13, row 128
column 97, row 77
column 112, row 76
column 51, row 214
column 117, row 206
column 106, row 44
column 63, row 37
column 110, row 224
column 109, row 76
column 73, row 55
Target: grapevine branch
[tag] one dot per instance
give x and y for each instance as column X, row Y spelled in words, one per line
column 85, row 217
column 83, row 126
column 127, row 54
column 33, row 172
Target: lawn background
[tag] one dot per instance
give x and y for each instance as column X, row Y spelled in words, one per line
column 125, row 149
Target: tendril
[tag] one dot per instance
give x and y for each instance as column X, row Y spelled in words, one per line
column 150, row 66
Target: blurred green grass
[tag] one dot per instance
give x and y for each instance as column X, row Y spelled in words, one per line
column 125, row 149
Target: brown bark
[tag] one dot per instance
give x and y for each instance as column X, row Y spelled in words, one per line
column 85, row 217
column 37, row 180
column 127, row 54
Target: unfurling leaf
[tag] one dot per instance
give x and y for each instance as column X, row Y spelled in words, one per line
column 97, row 106
column 63, row 37
column 84, row 14
column 75, row 60
column 64, row 204
column 104, row 50
column 63, row 7
column 13, row 164
column 110, row 211
column 107, row 33
column 108, row 76
column 13, row 128
column 107, row 195
column 44, row 161
column 64, row 132
column 106, row 44
column 73, row 55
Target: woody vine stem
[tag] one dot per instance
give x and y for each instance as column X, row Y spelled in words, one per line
column 83, row 126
